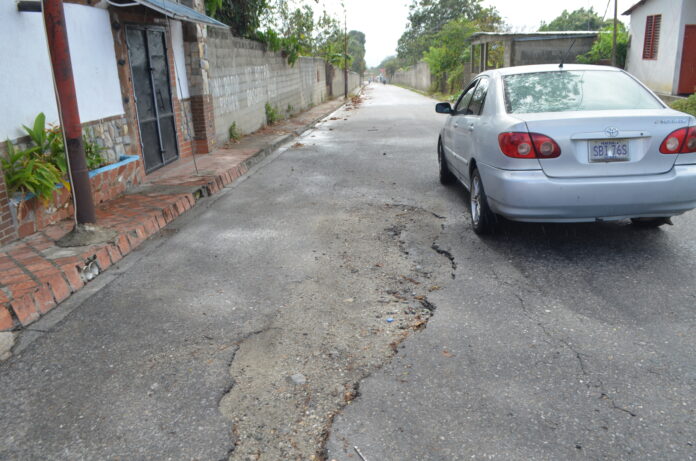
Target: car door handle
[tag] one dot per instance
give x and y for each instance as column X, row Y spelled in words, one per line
column 456, row 124
column 471, row 127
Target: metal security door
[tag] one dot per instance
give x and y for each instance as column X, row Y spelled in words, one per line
column 687, row 75
column 147, row 51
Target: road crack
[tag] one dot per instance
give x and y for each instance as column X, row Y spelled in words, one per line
column 368, row 291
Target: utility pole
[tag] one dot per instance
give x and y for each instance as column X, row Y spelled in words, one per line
column 57, row 37
column 345, row 53
column 613, row 42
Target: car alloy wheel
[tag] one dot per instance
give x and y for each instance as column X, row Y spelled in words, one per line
column 476, row 200
column 482, row 218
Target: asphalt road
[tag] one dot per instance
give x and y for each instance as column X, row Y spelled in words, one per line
column 553, row 342
column 263, row 324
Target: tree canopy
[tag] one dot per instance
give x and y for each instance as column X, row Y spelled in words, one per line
column 601, row 49
column 439, row 33
column 293, row 27
column 580, row 19
column 356, row 49
column 428, row 17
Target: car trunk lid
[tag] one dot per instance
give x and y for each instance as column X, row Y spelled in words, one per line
column 606, row 143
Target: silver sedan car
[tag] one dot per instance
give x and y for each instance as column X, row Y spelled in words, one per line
column 567, row 144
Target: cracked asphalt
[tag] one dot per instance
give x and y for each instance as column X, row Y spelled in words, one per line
column 553, row 342
column 336, row 297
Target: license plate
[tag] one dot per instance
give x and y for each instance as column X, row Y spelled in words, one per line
column 605, row 150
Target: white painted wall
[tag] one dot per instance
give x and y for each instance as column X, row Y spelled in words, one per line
column 182, row 87
column 661, row 73
column 26, row 85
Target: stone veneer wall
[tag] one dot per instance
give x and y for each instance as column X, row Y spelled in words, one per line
column 18, row 220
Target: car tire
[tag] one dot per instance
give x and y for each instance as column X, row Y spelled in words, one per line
column 650, row 223
column 446, row 175
column 483, row 220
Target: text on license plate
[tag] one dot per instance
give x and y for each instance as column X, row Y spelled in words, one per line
column 615, row 150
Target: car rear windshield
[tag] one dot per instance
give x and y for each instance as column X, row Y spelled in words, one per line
column 574, row 90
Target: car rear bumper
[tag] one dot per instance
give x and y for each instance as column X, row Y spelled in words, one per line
column 533, row 196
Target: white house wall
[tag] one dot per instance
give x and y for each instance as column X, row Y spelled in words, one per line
column 26, row 85
column 661, row 73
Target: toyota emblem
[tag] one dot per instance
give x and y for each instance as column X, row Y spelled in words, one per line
column 612, row 132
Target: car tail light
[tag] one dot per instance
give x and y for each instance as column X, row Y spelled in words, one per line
column 545, row 146
column 681, row 141
column 528, row 145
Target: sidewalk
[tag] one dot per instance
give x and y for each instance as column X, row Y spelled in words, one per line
column 36, row 275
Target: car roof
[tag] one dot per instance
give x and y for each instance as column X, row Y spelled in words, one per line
column 547, row 68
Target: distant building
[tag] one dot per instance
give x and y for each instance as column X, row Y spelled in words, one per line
column 662, row 51
column 490, row 50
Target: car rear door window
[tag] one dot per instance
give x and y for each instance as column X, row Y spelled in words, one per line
column 479, row 97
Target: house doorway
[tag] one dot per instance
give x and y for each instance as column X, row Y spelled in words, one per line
column 687, row 74
column 147, row 52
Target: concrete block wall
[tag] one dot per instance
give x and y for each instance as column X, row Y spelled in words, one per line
column 337, row 87
column 417, row 77
column 244, row 77
column 548, row 51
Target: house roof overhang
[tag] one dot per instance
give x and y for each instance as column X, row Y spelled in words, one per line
column 482, row 37
column 173, row 10
column 628, row 11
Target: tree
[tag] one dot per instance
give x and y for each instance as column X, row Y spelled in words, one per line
column 356, row 49
column 290, row 26
column 453, row 46
column 243, row 16
column 601, row 49
column 580, row 19
column 428, row 17
column 390, row 64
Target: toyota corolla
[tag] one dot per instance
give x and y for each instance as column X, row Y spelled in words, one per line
column 567, row 144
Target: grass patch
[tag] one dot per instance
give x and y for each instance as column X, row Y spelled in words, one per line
column 687, row 105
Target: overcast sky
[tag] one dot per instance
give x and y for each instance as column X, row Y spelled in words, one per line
column 383, row 21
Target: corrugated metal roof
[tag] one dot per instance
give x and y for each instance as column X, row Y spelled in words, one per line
column 179, row 11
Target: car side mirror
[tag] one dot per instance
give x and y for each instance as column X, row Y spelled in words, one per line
column 443, row 108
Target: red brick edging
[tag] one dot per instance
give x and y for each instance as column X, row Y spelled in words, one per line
column 36, row 275
column 33, row 282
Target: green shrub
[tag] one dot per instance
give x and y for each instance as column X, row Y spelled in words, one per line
column 25, row 171
column 41, row 166
column 49, row 144
column 601, row 49
column 272, row 115
column 687, row 105
column 233, row 133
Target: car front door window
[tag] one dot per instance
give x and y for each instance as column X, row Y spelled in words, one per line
column 464, row 100
column 478, row 98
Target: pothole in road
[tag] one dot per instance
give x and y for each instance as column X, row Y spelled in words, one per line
column 376, row 268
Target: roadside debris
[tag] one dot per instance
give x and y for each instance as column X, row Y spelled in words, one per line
column 359, row 454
